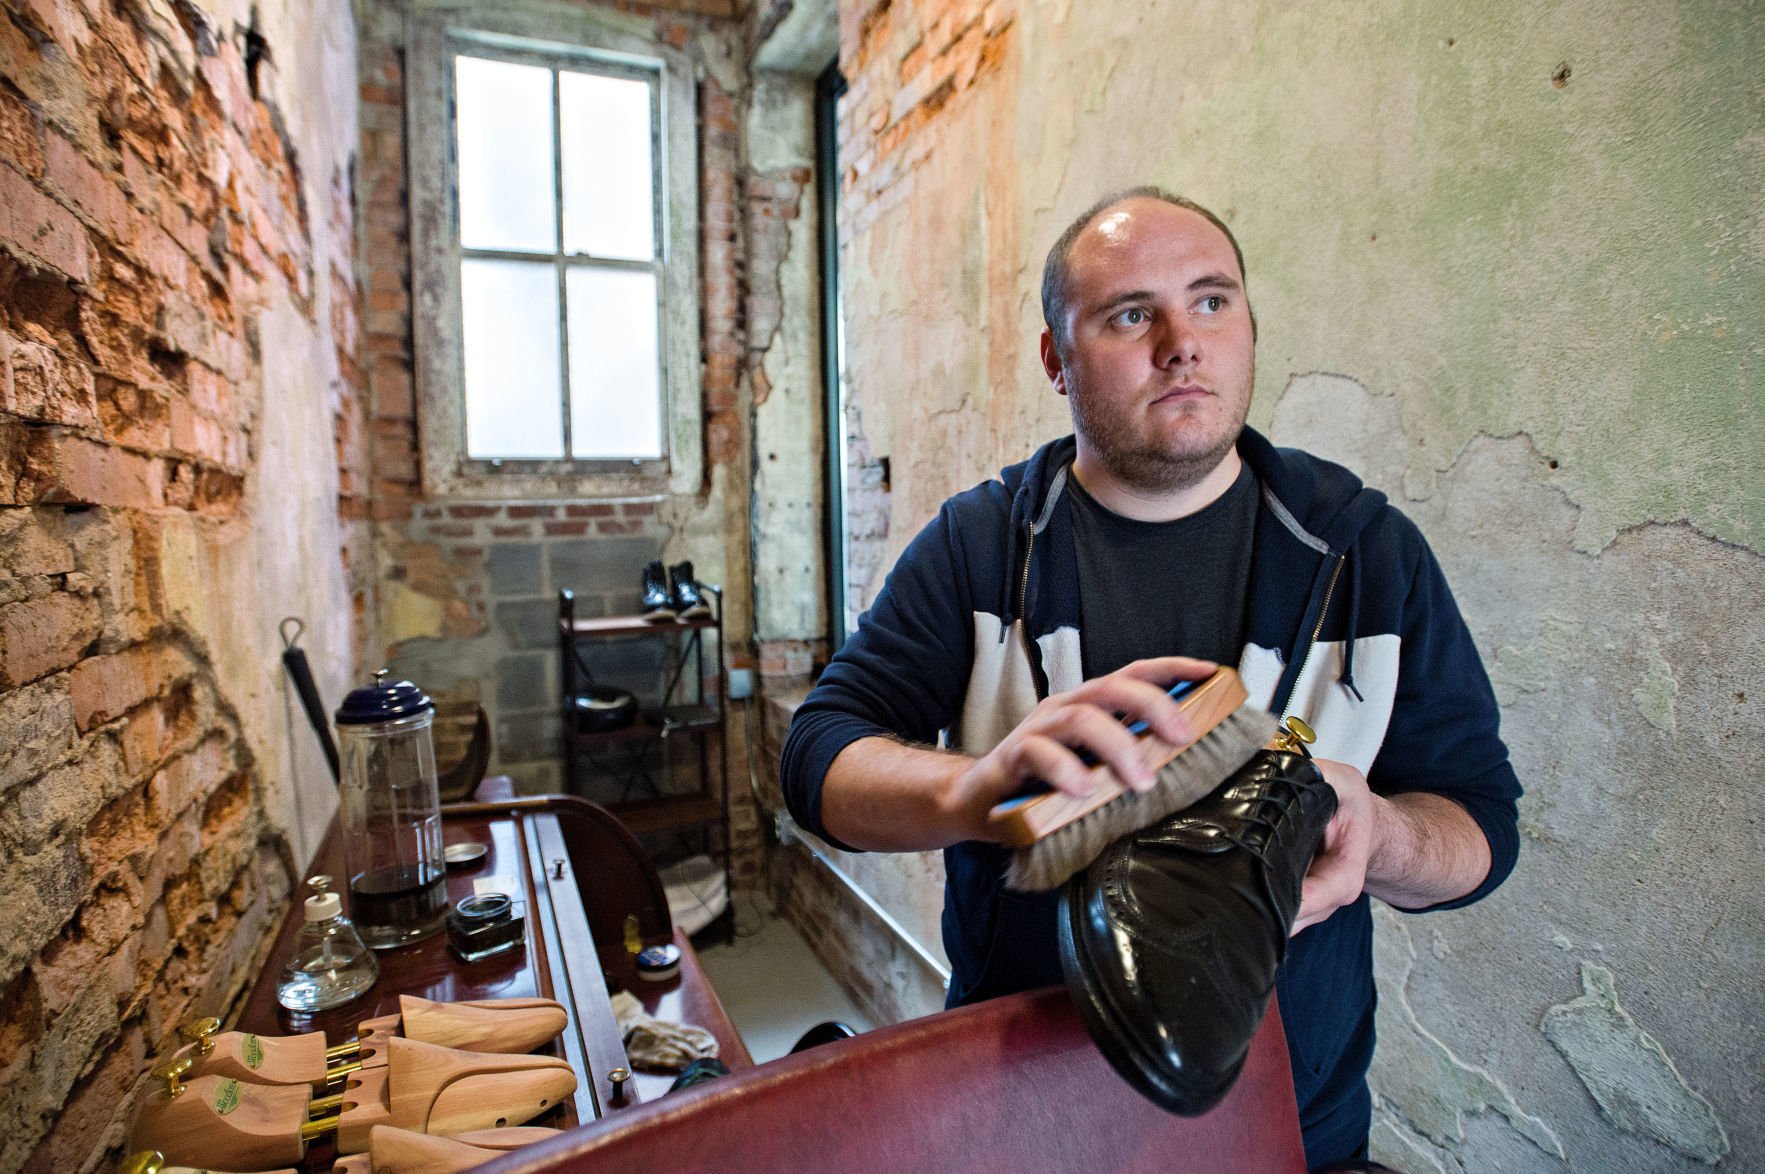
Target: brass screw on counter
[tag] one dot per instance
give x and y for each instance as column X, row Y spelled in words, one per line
column 171, row 1071
column 619, row 1076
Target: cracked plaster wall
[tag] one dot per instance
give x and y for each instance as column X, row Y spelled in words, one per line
column 1509, row 264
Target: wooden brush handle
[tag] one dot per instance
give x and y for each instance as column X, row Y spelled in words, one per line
column 1021, row 822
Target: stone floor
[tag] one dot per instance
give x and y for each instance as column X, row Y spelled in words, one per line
column 772, row 985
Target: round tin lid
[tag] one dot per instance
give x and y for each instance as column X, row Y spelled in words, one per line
column 381, row 702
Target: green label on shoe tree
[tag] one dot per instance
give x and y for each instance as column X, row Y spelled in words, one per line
column 226, row 1097
column 254, row 1051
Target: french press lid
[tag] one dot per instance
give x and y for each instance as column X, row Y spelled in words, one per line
column 381, row 702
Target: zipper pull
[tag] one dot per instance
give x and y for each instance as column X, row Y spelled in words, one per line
column 1294, row 737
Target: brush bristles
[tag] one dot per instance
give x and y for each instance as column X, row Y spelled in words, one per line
column 1048, row 862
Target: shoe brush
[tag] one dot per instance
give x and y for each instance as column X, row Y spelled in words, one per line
column 1055, row 834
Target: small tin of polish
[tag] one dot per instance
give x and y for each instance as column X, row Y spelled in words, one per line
column 658, row 963
column 485, row 925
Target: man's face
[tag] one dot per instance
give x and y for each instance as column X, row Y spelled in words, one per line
column 1160, row 358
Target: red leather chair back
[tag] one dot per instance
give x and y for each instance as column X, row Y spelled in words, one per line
column 1011, row 1084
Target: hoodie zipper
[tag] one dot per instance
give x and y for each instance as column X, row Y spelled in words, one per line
column 1312, row 646
column 1023, row 625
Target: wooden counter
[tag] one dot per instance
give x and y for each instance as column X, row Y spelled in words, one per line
column 529, row 858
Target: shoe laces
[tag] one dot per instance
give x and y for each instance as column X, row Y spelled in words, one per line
column 1267, row 810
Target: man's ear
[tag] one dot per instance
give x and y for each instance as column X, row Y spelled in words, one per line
column 1051, row 362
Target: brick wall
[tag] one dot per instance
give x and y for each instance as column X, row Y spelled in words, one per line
column 158, row 249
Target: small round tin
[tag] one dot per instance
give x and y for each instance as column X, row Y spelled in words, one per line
column 463, row 853
column 658, row 963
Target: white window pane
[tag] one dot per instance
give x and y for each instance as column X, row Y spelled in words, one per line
column 514, row 398
column 503, row 117
column 609, row 188
column 615, row 376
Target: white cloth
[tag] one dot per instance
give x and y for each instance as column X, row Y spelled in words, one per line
column 657, row 1044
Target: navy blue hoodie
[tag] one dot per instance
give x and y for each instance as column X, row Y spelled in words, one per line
column 1350, row 625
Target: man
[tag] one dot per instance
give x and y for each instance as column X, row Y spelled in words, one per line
column 1035, row 609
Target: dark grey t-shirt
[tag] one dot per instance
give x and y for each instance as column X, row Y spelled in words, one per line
column 1164, row 588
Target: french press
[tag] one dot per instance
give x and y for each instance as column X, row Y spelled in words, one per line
column 391, row 813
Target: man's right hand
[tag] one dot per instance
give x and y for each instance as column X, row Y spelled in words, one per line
column 884, row 795
column 1044, row 746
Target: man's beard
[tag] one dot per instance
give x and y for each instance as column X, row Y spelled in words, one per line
column 1145, row 467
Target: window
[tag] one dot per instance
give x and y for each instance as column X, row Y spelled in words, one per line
column 554, row 258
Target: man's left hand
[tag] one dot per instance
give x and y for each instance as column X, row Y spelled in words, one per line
column 1338, row 872
column 1411, row 850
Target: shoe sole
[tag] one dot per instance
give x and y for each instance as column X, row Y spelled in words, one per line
column 659, row 617
column 1106, row 1025
column 701, row 612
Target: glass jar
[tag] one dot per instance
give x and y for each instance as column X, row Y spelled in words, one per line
column 329, row 965
column 391, row 813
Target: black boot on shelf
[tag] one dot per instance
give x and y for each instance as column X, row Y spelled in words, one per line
column 689, row 601
column 658, row 603
column 1170, row 940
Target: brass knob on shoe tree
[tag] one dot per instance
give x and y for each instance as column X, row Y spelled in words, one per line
column 201, row 1032
column 144, row 1162
column 171, row 1071
column 1294, row 737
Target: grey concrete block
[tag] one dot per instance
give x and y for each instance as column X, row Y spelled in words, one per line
column 515, row 570
column 529, row 623
column 605, row 565
column 525, row 682
column 529, row 737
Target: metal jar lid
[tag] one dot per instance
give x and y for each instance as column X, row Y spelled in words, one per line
column 382, row 702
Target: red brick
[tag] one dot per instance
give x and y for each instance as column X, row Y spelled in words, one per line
column 566, row 529
column 594, row 510
column 20, row 139
column 36, row 383
column 523, row 530
column 103, row 687
column 184, row 780
column 39, row 636
column 532, row 511
column 150, row 732
column 70, row 469
column 88, row 189
column 198, row 436
column 40, row 230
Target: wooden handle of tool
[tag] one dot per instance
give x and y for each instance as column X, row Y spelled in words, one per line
column 1020, row 822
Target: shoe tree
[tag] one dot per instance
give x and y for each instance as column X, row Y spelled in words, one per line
column 433, row 1089
column 215, row 1121
column 400, row 1151
column 218, row 1122
column 482, row 1025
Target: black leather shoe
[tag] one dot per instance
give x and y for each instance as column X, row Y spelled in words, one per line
column 658, row 604
column 689, row 602
column 1169, row 941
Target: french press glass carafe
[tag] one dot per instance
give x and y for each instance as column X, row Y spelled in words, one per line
column 391, row 813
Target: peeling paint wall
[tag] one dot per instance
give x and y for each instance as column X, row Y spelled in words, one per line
column 1509, row 264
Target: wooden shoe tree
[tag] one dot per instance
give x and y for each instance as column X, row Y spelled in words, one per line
column 440, row 1090
column 216, row 1122
column 432, row 1089
column 400, row 1151
column 483, row 1025
column 256, row 1059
